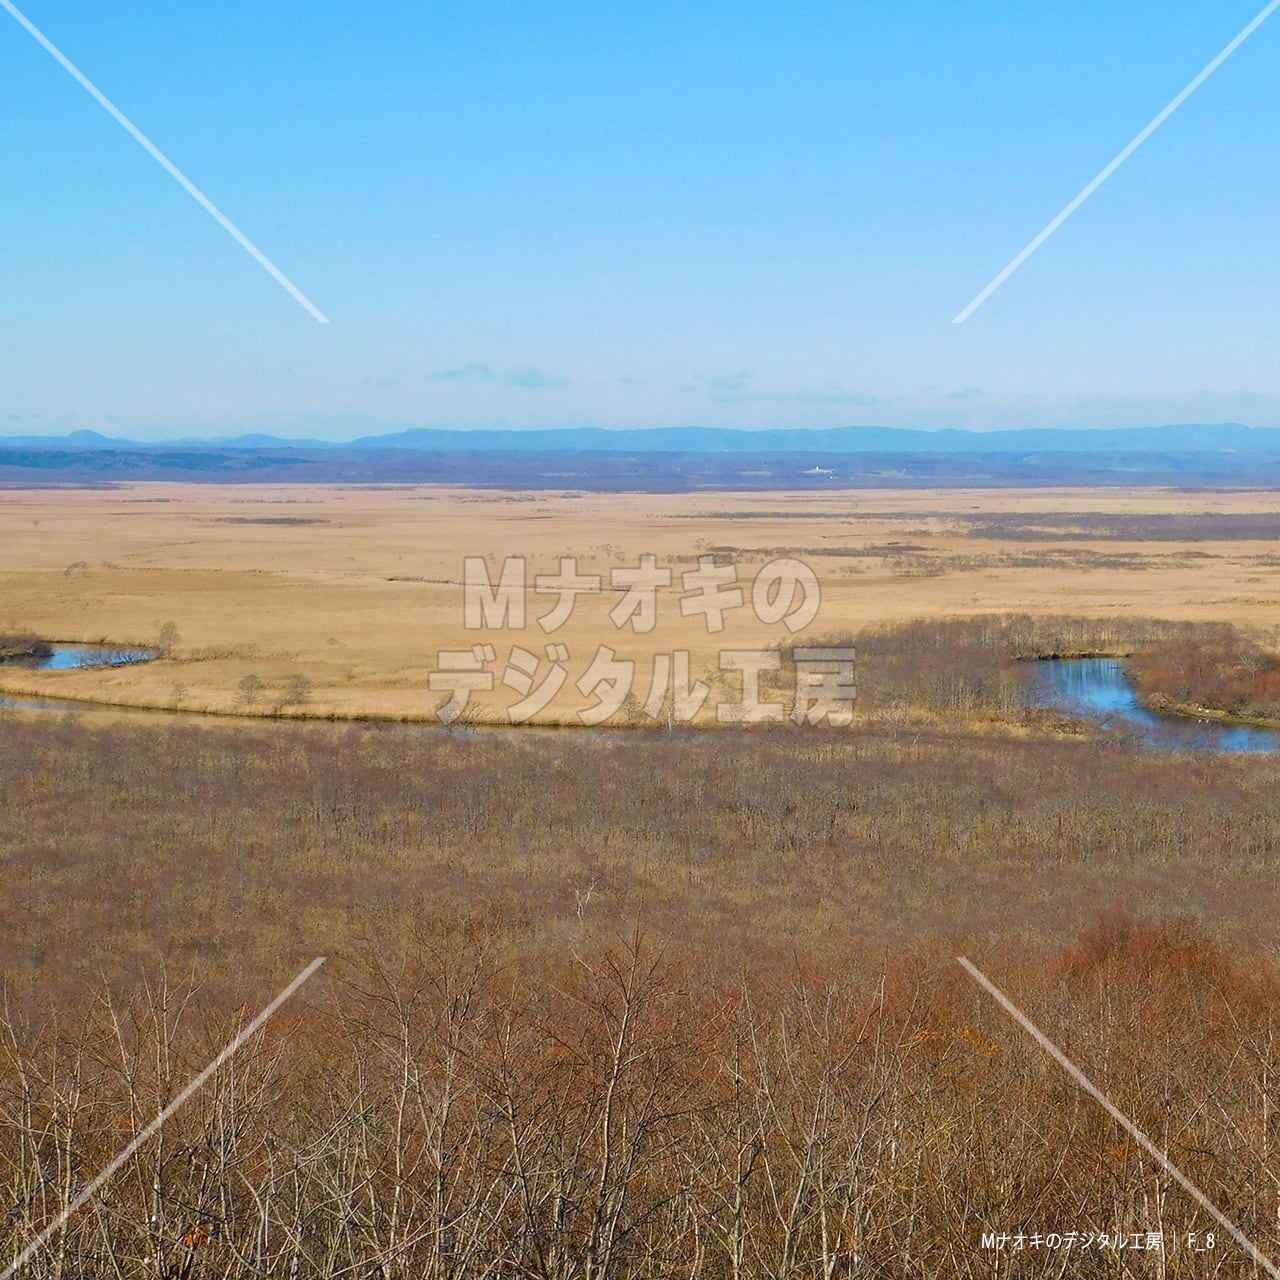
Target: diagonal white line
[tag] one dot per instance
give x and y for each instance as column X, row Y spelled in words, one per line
column 1114, row 165
column 105, row 1176
column 172, row 169
column 1116, row 1114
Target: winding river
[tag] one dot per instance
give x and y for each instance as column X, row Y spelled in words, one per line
column 1098, row 689
column 1094, row 689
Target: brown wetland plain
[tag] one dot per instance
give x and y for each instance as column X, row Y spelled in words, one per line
column 356, row 590
column 633, row 1005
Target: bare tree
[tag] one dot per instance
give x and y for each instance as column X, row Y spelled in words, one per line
column 298, row 692
column 168, row 639
column 250, row 687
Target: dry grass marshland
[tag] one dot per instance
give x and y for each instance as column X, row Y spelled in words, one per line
column 630, row 1006
column 355, row 590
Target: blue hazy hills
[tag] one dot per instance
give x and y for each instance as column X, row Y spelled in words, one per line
column 1171, row 439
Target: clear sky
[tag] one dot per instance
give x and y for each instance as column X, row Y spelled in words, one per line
column 553, row 214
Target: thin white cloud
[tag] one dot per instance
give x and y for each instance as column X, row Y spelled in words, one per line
column 523, row 376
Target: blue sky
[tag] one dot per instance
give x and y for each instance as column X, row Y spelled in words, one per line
column 739, row 214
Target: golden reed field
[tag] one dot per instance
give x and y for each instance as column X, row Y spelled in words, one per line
column 354, row 591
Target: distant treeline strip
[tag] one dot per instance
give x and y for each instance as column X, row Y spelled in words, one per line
column 623, row 471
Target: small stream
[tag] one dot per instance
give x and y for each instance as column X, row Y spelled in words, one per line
column 68, row 657
column 71, row 657
column 1098, row 689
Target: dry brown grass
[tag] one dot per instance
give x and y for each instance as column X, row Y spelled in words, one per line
column 235, row 849
column 357, row 589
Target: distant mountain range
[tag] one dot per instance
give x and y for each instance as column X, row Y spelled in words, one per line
column 672, row 459
column 1229, row 437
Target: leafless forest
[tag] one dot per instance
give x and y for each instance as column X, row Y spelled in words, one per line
column 630, row 1110
column 1225, row 673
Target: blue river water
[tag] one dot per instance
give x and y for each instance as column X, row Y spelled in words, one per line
column 1097, row 689
column 67, row 657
